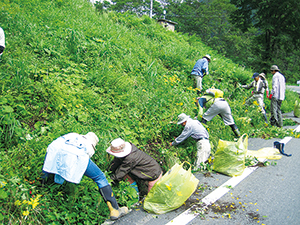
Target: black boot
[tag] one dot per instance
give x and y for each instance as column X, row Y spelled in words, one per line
column 235, row 130
column 109, row 198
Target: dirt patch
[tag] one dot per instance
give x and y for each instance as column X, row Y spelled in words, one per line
column 254, row 216
column 223, row 207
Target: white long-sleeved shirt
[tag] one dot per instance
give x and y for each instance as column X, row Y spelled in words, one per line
column 278, row 86
column 68, row 157
column 192, row 128
column 2, row 38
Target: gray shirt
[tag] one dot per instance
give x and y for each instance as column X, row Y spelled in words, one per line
column 192, row 128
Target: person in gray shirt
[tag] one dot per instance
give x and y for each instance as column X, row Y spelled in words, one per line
column 194, row 129
column 259, row 86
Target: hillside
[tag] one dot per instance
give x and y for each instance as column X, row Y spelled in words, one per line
column 67, row 68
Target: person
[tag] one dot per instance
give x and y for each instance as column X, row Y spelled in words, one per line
column 2, row 41
column 216, row 105
column 259, row 85
column 277, row 96
column 68, row 157
column 194, row 129
column 200, row 70
column 130, row 163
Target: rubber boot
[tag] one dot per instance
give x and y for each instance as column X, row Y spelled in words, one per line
column 235, row 130
column 109, row 198
column 204, row 121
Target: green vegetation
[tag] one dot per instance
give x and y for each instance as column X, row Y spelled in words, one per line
column 67, row 68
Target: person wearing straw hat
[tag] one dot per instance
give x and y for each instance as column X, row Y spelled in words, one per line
column 259, row 86
column 277, row 96
column 199, row 70
column 194, row 129
column 68, row 158
column 130, row 163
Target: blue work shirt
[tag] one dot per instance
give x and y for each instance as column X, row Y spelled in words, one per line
column 67, row 157
column 201, row 67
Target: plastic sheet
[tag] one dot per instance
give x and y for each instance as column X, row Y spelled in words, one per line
column 230, row 156
column 171, row 191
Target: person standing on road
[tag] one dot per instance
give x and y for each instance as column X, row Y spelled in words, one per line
column 259, row 85
column 216, row 105
column 277, row 96
column 200, row 70
column 68, row 157
column 197, row 131
column 2, row 41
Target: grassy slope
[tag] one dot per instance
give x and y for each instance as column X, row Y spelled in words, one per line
column 68, row 69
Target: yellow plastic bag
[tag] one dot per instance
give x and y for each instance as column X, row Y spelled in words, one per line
column 230, row 156
column 265, row 153
column 216, row 93
column 297, row 109
column 171, row 191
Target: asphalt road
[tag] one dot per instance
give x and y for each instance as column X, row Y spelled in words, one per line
column 269, row 195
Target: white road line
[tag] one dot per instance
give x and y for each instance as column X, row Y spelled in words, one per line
column 297, row 129
column 189, row 215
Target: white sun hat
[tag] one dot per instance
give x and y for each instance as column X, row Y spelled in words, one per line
column 182, row 118
column 119, row 148
column 92, row 138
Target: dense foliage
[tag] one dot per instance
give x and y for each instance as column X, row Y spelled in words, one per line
column 251, row 33
column 67, row 68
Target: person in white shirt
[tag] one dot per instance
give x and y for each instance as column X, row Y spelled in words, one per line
column 68, row 158
column 2, row 41
column 277, row 96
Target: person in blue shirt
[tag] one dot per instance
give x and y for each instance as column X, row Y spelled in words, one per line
column 68, row 157
column 200, row 70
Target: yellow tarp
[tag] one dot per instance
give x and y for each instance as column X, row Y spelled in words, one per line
column 265, row 153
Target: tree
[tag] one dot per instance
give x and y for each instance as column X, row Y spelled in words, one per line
column 277, row 20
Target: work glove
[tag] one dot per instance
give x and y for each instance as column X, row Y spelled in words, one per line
column 270, row 96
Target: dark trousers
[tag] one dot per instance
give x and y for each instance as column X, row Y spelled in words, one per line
column 276, row 115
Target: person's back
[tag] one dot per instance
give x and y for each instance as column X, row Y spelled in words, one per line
column 2, row 41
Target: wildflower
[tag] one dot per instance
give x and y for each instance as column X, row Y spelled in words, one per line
column 2, row 184
column 17, row 202
column 24, row 201
column 25, row 213
column 169, row 187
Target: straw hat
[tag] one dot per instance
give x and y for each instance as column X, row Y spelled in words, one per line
column 182, row 118
column 92, row 138
column 119, row 148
